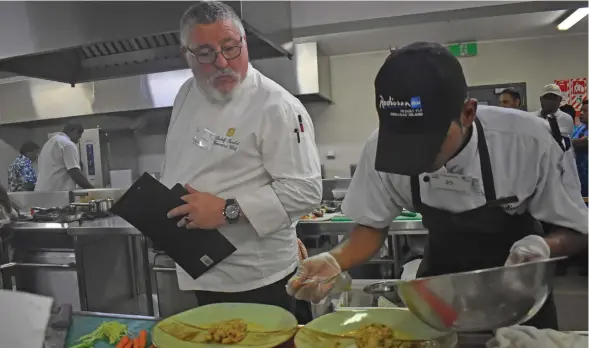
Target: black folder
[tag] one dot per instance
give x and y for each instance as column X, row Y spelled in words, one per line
column 145, row 206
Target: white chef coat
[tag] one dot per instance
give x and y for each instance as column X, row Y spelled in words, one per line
column 58, row 155
column 566, row 124
column 255, row 159
column 526, row 163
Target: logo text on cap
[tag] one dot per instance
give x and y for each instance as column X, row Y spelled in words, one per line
column 401, row 108
column 392, row 103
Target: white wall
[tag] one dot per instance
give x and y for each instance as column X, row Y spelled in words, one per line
column 310, row 13
column 345, row 125
column 151, row 152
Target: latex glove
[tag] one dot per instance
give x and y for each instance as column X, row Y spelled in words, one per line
column 530, row 337
column 309, row 282
column 529, row 248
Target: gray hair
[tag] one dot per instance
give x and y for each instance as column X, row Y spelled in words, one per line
column 207, row 12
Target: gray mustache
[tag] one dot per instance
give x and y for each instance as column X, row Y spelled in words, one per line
column 223, row 73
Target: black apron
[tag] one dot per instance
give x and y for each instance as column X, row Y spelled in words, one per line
column 476, row 239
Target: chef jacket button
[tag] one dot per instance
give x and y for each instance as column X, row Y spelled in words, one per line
column 426, row 178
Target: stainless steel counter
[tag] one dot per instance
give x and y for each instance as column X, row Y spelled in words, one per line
column 99, row 265
column 106, row 226
column 338, row 228
column 93, row 242
column 38, row 226
column 116, row 225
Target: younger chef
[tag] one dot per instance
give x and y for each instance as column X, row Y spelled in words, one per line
column 479, row 175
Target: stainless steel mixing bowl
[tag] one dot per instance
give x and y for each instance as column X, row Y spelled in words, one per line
column 481, row 300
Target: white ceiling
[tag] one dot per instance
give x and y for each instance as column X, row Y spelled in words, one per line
column 516, row 26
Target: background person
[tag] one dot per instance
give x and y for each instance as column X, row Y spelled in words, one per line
column 510, row 98
column 570, row 110
column 59, row 162
column 550, row 102
column 579, row 140
column 22, row 176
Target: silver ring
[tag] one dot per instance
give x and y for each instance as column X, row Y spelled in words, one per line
column 187, row 219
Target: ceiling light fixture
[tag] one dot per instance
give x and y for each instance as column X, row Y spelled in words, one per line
column 573, row 19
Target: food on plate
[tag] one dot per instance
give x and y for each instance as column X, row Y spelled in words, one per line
column 317, row 213
column 111, row 331
column 382, row 336
column 376, row 336
column 181, row 331
column 227, row 332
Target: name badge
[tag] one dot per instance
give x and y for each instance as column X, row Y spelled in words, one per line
column 452, row 182
column 204, row 138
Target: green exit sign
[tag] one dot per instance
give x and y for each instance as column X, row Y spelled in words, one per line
column 469, row 49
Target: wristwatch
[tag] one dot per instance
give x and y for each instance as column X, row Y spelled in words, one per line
column 231, row 211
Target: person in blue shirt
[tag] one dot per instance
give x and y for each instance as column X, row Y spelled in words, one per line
column 21, row 173
column 579, row 141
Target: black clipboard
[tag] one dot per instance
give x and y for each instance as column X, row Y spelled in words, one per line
column 145, row 206
column 179, row 190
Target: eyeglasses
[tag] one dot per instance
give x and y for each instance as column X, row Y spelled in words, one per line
column 209, row 56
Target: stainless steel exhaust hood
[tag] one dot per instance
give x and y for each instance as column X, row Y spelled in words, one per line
column 23, row 99
column 306, row 76
column 74, row 42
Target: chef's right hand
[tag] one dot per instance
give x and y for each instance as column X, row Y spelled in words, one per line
column 309, row 282
column 529, row 248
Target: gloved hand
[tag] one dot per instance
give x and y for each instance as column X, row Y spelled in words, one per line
column 529, row 248
column 310, row 282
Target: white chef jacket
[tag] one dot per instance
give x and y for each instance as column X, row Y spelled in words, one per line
column 255, row 159
column 526, row 161
column 58, row 155
column 566, row 124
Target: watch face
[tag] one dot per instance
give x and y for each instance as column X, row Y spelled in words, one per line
column 232, row 212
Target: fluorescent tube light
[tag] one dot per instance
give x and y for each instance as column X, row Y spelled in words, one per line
column 573, row 19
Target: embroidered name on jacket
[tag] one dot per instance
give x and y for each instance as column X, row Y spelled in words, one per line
column 226, row 143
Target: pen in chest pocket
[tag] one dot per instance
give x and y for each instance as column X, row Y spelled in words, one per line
column 299, row 129
column 301, row 126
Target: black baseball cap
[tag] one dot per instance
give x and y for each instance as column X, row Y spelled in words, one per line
column 419, row 90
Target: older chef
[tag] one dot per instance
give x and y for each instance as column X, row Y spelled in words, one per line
column 479, row 175
column 550, row 102
column 246, row 148
column 59, row 162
